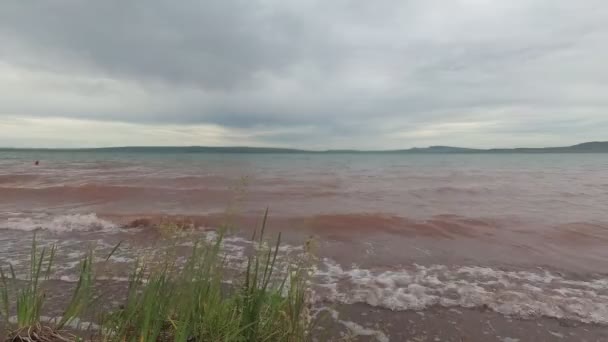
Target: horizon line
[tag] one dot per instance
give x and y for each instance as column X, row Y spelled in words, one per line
column 290, row 149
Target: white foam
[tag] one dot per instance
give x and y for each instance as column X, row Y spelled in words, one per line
column 119, row 259
column 75, row 278
column 356, row 329
column 509, row 339
column 523, row 294
column 60, row 223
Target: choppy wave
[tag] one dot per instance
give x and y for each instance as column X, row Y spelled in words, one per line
column 524, row 294
column 21, row 178
column 60, row 223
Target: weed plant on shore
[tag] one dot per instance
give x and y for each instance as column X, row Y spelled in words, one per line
column 167, row 301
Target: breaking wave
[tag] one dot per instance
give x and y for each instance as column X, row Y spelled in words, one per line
column 523, row 294
column 60, row 223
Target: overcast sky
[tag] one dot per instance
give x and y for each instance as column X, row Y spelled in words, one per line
column 310, row 74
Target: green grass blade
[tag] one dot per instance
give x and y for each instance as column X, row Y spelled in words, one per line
column 82, row 293
column 264, row 221
column 33, row 257
column 273, row 263
column 12, row 271
column 4, row 297
column 50, row 262
column 113, row 251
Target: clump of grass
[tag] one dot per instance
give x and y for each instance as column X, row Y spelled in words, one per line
column 196, row 301
column 31, row 295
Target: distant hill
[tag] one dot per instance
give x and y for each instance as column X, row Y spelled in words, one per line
column 595, row 146
column 440, row 149
column 199, row 149
column 588, row 147
column 166, row 149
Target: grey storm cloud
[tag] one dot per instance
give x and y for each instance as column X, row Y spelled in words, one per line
column 341, row 73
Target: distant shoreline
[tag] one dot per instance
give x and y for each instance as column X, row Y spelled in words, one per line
column 589, row 147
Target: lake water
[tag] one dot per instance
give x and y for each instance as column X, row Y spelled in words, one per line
column 504, row 247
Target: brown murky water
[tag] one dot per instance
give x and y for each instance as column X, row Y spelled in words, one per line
column 419, row 247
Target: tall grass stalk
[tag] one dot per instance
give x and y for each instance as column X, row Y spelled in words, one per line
column 81, row 297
